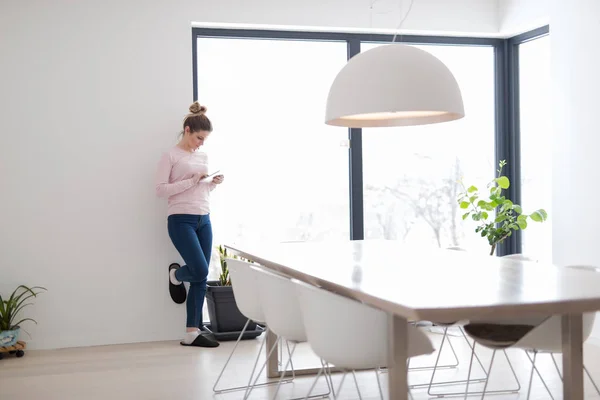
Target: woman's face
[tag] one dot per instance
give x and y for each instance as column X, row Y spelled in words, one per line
column 195, row 139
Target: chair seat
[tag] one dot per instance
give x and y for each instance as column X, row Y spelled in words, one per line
column 497, row 335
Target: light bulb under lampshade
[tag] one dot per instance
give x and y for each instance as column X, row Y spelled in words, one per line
column 393, row 85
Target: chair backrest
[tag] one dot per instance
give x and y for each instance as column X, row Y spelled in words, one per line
column 244, row 289
column 280, row 305
column 548, row 335
column 519, row 257
column 350, row 334
column 457, row 248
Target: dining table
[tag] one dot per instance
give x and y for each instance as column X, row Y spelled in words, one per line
column 426, row 283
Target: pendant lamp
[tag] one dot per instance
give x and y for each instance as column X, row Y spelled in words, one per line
column 393, row 85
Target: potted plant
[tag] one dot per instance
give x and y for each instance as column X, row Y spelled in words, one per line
column 508, row 217
column 226, row 320
column 10, row 311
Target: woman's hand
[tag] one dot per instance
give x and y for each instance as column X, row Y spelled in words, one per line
column 198, row 177
column 218, row 179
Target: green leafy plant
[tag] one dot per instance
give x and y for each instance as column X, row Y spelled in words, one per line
column 11, row 308
column 508, row 216
column 224, row 279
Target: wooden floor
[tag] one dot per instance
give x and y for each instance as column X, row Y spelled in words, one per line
column 167, row 370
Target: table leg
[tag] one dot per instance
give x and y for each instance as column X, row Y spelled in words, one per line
column 397, row 356
column 273, row 361
column 572, row 346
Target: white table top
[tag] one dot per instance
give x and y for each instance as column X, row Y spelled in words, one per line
column 429, row 283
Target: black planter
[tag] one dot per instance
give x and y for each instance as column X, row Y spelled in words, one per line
column 226, row 320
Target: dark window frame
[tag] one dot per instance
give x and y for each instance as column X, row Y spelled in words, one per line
column 506, row 105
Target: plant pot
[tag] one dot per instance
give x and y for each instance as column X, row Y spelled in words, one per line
column 225, row 317
column 9, row 338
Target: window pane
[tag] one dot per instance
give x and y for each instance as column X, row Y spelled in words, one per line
column 286, row 172
column 536, row 163
column 411, row 174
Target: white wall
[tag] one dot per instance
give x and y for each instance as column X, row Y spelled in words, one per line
column 460, row 17
column 518, row 16
column 90, row 93
column 575, row 63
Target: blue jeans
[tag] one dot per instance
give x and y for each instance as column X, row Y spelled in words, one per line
column 192, row 237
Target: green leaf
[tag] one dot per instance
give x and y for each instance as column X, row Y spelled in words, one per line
column 465, row 216
column 503, row 182
column 484, row 215
column 518, row 209
column 507, row 204
column 522, row 223
column 539, row 215
column 464, row 205
column 482, row 203
column 500, row 217
column 23, row 320
column 472, row 189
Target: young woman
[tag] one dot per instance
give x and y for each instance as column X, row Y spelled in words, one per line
column 181, row 177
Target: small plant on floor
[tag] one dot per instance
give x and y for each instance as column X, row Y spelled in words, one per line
column 11, row 308
column 509, row 217
column 224, row 279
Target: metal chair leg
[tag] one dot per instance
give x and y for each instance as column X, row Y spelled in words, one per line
column 245, row 387
column 485, row 391
column 456, row 382
column 229, row 359
column 489, row 373
column 341, row 383
column 515, row 390
column 308, row 396
column 284, row 370
column 534, row 368
column 584, row 368
column 436, row 365
column 281, row 380
column 356, row 384
column 379, row 385
column 287, row 344
column 469, row 374
column 591, row 379
column 328, row 375
column 251, row 387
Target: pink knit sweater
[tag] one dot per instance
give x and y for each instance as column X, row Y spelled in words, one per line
column 175, row 180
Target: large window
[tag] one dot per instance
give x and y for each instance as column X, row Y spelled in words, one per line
column 412, row 174
column 286, row 172
column 536, row 136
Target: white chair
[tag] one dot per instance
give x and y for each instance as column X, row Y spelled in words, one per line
column 537, row 334
column 248, row 302
column 330, row 323
column 474, row 354
column 445, row 336
column 282, row 313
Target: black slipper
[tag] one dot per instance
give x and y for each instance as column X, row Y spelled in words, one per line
column 177, row 292
column 202, row 341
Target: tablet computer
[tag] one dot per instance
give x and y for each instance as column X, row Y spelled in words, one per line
column 210, row 177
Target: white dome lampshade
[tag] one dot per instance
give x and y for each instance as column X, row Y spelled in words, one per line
column 393, row 85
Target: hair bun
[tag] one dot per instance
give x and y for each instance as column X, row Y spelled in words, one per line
column 196, row 108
